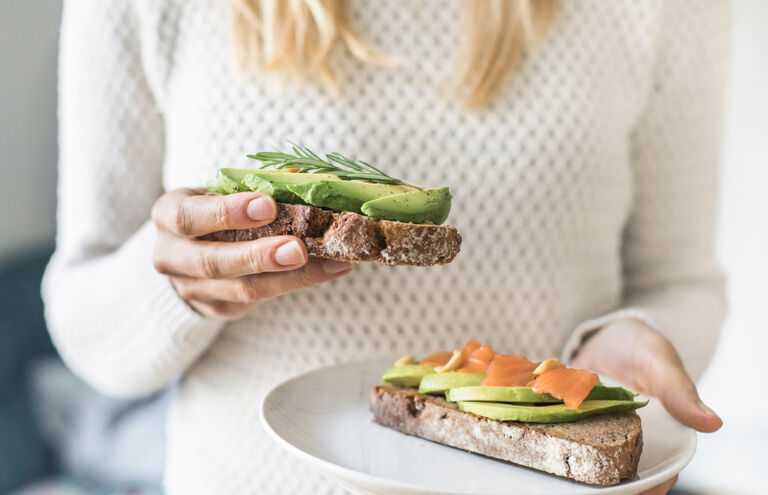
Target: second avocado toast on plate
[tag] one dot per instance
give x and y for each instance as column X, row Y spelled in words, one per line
column 542, row 415
column 346, row 210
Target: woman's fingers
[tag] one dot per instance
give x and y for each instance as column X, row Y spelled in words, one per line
column 665, row 377
column 221, row 310
column 179, row 256
column 224, row 279
column 255, row 288
column 233, row 299
column 192, row 213
column 681, row 400
column 663, row 488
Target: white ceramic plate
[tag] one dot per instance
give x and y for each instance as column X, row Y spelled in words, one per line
column 322, row 418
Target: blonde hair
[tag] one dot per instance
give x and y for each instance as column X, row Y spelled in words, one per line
column 295, row 38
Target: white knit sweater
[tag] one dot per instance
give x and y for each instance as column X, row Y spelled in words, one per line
column 584, row 193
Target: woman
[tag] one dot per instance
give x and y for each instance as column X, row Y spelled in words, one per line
column 584, row 177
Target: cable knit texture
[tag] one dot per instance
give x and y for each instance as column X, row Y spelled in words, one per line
column 585, row 193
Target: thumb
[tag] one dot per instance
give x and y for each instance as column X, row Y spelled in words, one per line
column 677, row 392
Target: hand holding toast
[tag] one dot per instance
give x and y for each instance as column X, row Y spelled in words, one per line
column 226, row 279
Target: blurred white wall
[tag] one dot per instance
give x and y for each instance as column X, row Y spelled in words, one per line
column 743, row 222
column 732, row 461
column 28, row 50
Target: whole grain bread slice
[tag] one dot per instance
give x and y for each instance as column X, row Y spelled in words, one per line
column 347, row 236
column 600, row 450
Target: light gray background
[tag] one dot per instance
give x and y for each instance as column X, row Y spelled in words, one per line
column 29, row 32
column 28, row 35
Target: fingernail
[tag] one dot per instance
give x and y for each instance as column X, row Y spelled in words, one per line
column 707, row 410
column 261, row 209
column 332, row 267
column 289, row 254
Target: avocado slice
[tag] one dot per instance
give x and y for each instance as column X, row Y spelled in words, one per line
column 343, row 195
column 277, row 184
column 235, row 175
column 271, row 182
column 425, row 206
column 526, row 394
column 227, row 181
column 601, row 392
column 437, row 383
column 407, row 375
column 555, row 413
column 498, row 394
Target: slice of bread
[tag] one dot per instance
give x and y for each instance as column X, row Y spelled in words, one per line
column 348, row 236
column 601, row 450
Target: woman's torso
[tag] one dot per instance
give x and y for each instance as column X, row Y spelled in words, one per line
column 541, row 180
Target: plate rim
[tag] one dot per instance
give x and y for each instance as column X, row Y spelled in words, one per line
column 354, row 476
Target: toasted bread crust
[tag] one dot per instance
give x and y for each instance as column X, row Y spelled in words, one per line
column 601, row 450
column 347, row 236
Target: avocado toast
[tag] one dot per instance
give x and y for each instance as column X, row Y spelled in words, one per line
column 346, row 210
column 540, row 415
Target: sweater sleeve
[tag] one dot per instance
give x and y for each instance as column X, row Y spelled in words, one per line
column 671, row 279
column 116, row 322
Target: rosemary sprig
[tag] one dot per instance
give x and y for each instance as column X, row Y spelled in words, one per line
column 337, row 164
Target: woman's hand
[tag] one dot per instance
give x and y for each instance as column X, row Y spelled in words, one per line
column 226, row 279
column 646, row 361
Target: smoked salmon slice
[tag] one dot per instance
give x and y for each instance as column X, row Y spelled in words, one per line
column 437, row 359
column 509, row 371
column 567, row 384
column 466, row 351
column 478, row 360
